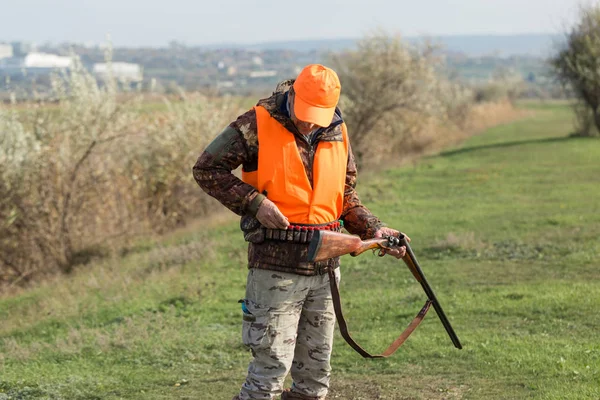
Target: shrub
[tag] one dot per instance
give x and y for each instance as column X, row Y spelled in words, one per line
column 87, row 169
column 57, row 173
column 391, row 91
column 160, row 160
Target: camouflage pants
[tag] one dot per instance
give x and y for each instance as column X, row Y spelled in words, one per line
column 289, row 327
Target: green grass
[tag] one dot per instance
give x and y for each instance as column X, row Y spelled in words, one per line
column 505, row 226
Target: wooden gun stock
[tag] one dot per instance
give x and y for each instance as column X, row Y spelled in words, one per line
column 327, row 244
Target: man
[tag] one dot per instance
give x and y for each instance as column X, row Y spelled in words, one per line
column 298, row 175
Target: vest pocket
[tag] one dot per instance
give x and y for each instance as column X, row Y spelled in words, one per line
column 255, row 325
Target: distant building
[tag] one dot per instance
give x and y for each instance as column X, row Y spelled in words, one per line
column 6, row 51
column 256, row 60
column 11, row 66
column 21, row 49
column 263, row 74
column 124, row 72
column 35, row 64
column 225, row 84
column 45, row 60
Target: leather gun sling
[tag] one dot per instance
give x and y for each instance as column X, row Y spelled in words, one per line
column 337, row 305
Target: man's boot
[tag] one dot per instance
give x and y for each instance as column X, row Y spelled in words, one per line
column 289, row 395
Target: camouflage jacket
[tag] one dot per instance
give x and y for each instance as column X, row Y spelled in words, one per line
column 238, row 145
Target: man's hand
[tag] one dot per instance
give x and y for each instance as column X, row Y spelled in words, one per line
column 270, row 217
column 384, row 232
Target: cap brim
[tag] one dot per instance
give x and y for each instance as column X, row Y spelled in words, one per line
column 308, row 113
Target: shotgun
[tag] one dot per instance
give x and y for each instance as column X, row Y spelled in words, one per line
column 327, row 244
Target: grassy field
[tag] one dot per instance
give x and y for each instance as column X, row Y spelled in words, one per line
column 506, row 228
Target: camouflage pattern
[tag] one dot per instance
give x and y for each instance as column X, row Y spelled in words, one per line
column 238, row 145
column 289, row 328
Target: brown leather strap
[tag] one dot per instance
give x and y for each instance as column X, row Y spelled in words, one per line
column 337, row 305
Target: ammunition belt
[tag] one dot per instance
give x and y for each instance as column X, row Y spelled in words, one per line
column 300, row 233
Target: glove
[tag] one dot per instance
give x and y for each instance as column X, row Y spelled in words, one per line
column 270, row 217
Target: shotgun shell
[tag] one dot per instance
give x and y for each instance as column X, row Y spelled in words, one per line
column 297, row 234
column 303, row 233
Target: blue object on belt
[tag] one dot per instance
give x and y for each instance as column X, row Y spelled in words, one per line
column 245, row 309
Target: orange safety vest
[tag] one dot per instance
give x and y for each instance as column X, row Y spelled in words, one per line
column 282, row 175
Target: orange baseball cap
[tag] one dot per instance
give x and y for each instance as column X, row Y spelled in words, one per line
column 317, row 92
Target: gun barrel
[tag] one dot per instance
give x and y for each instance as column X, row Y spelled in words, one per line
column 411, row 259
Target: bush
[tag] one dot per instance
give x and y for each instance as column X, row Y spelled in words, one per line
column 505, row 84
column 391, row 91
column 160, row 161
column 87, row 169
column 490, row 92
column 56, row 173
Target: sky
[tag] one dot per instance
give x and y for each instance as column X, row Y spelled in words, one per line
column 202, row 22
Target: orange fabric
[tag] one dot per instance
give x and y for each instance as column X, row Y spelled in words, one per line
column 281, row 174
column 250, row 178
column 317, row 92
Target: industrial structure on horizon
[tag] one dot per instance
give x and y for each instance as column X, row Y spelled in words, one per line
column 19, row 58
